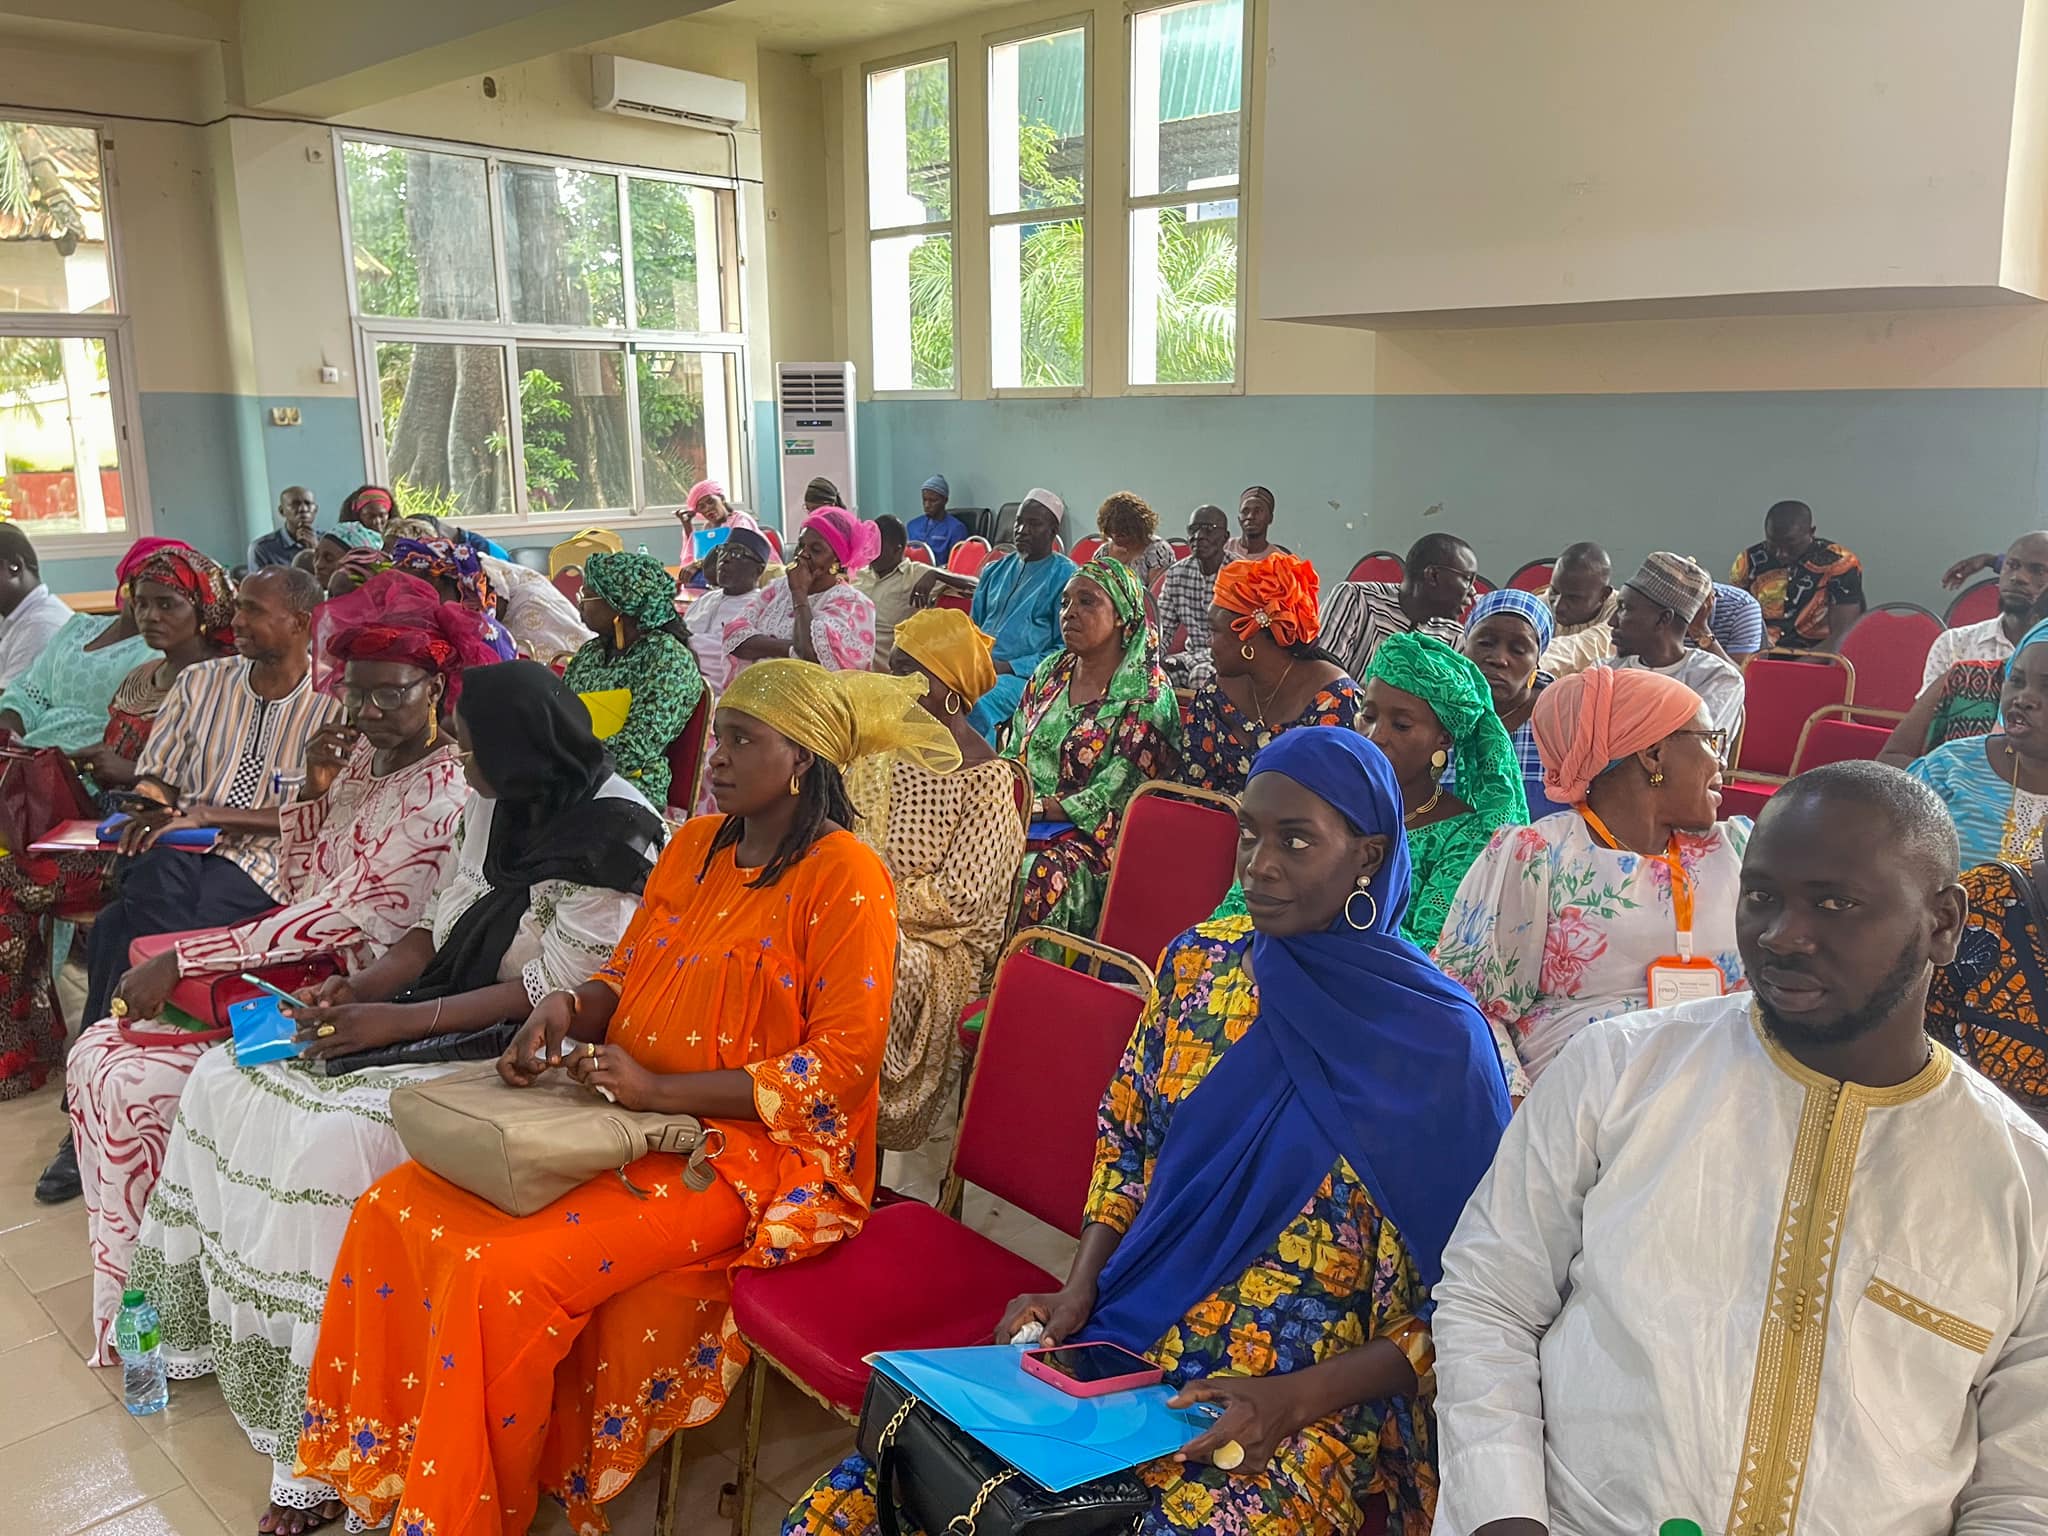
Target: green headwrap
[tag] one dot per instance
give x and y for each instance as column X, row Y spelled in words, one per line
column 1135, row 672
column 1489, row 776
column 637, row 586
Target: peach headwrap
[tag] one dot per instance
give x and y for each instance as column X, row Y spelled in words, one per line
column 1587, row 722
column 1276, row 594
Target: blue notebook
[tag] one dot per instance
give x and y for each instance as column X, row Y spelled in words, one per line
column 1057, row 1440
column 263, row 1031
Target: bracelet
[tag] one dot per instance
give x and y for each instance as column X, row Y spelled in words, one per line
column 434, row 1024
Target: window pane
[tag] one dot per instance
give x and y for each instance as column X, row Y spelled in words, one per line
column 572, row 421
column 1184, row 294
column 56, row 420
column 445, row 444
column 1037, row 311
column 53, row 221
column 910, row 294
column 1187, row 74
column 420, row 231
column 675, row 234
column 687, row 422
column 1038, row 122
column 910, row 145
column 562, row 259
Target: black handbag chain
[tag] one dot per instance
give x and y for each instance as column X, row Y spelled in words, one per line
column 885, row 1482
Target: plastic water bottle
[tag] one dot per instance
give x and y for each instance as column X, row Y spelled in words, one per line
column 138, row 1336
column 644, row 550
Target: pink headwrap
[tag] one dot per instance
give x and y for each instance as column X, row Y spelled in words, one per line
column 1587, row 722
column 853, row 541
column 699, row 491
column 140, row 551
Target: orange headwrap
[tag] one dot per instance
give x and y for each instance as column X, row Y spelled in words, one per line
column 1587, row 722
column 1276, row 594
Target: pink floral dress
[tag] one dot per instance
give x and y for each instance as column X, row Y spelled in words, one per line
column 1552, row 930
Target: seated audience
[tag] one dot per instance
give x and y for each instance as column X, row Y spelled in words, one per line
column 1996, row 786
column 1651, row 622
column 1810, row 588
column 705, row 506
column 293, row 535
column 1670, row 1299
column 30, row 613
column 333, row 545
column 1730, row 624
column 1558, row 923
column 1961, row 702
column 752, row 988
column 1097, row 720
column 890, row 582
column 1985, row 1005
column 1267, row 674
column 1297, row 1121
column 935, row 528
column 1357, row 615
column 1506, row 635
column 163, row 609
column 61, row 699
column 1424, row 705
column 1255, row 509
column 371, row 505
column 735, row 569
column 1130, row 528
column 641, row 649
column 1017, row 603
column 360, row 850
column 815, row 613
column 952, row 842
column 1185, row 597
column 1581, row 597
column 544, row 625
column 2022, row 581
column 241, row 1233
column 456, row 571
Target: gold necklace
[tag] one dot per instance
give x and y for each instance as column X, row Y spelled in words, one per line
column 2016, row 846
column 1423, row 809
column 1263, row 704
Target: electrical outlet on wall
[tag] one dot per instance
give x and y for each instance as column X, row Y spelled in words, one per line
column 329, row 374
column 284, row 415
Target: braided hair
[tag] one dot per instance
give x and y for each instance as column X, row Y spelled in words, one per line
column 821, row 800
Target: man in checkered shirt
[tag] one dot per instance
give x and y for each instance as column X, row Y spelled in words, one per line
column 1185, row 596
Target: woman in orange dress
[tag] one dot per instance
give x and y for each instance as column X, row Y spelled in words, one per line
column 471, row 1362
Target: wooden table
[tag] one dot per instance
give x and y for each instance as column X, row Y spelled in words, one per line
column 89, row 602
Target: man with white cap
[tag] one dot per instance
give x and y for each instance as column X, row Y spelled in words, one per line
column 1655, row 610
column 938, row 530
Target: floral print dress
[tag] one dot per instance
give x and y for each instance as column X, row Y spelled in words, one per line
column 661, row 674
column 1552, row 930
column 1336, row 1277
column 1223, row 740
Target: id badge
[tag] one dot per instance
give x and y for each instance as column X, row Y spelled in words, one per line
column 1675, row 979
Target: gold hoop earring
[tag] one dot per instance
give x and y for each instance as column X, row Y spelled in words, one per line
column 796, row 784
column 952, row 703
column 1439, row 759
column 1246, row 651
column 1371, row 922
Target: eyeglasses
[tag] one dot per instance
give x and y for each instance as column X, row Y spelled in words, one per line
column 1462, row 578
column 386, row 697
column 1717, row 741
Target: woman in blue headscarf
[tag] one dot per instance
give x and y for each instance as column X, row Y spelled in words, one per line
column 1996, row 786
column 1300, row 1116
column 1506, row 634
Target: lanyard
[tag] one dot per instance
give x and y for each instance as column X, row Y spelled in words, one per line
column 1681, row 882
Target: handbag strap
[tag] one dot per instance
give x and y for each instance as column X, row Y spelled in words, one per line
column 885, row 1484
column 2023, row 881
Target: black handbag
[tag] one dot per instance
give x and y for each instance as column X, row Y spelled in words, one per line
column 949, row 1484
column 486, row 1044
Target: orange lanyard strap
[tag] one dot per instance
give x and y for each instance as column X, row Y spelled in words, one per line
column 1681, row 881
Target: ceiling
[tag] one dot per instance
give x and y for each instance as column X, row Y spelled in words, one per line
column 818, row 26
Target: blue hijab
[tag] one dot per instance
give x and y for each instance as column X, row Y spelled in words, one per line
column 2033, row 636
column 1361, row 1047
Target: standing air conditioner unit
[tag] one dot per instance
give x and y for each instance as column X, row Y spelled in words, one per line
column 814, row 405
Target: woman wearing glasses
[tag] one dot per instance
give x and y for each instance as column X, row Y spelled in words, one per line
column 1629, row 893
column 360, row 851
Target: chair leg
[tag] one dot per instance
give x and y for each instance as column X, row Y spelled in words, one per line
column 750, row 1450
column 669, row 1487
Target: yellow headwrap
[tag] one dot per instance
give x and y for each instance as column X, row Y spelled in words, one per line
column 844, row 715
column 945, row 640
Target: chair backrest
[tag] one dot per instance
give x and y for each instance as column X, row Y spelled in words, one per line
column 919, row 551
column 1050, row 1041
column 1781, row 692
column 1380, row 565
column 1175, row 856
column 1085, row 547
column 1973, row 605
column 1533, row 577
column 1888, row 647
column 569, row 582
column 968, row 556
column 1181, row 548
column 686, row 756
column 1834, row 735
column 774, row 543
column 958, row 600
column 1006, row 523
column 580, row 546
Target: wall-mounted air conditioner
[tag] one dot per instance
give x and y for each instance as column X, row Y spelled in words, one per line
column 640, row 89
column 814, row 408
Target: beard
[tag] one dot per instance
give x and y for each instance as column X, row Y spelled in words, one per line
column 1892, row 989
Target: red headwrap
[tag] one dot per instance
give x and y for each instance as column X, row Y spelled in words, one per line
column 396, row 617
column 1276, row 594
column 202, row 580
column 140, row 551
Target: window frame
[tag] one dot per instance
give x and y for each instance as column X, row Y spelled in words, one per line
column 114, row 329
column 1084, row 22
column 508, row 335
column 950, row 228
column 1133, row 203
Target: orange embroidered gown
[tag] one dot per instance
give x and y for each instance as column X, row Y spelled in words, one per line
column 471, row 1362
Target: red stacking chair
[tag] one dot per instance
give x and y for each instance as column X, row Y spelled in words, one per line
column 1380, row 565
column 968, row 556
column 958, row 600
column 774, row 544
column 686, row 756
column 569, row 582
column 919, row 551
column 1838, row 734
column 1973, row 605
column 1533, row 577
column 1888, row 648
column 1085, row 547
column 1175, row 856
column 914, row 1278
column 1782, row 690
column 1181, row 548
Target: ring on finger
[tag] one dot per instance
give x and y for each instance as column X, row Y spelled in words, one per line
column 324, row 1031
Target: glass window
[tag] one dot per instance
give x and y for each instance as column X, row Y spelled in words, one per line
column 420, row 233
column 1184, row 294
column 562, row 263
column 1187, row 79
column 573, row 427
column 672, row 223
column 442, row 408
column 1038, row 122
column 910, row 287
column 1038, row 193
column 1038, row 322
column 910, row 145
column 53, row 219
column 59, row 449
column 688, row 418
column 910, row 225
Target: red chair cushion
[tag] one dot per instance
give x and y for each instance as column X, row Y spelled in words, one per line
column 1744, row 797
column 912, row 1279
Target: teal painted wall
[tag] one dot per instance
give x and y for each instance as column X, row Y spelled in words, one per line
column 1908, row 478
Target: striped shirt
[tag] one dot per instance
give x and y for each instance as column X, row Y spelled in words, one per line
column 1185, row 598
column 216, row 741
column 1358, row 615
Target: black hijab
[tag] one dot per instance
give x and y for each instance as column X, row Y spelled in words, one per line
column 532, row 743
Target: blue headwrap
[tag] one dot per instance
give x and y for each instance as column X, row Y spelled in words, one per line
column 1362, row 1048
column 1524, row 605
column 938, row 483
column 2033, row 636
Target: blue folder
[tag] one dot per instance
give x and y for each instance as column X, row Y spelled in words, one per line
column 263, row 1031
column 1057, row 1440
column 705, row 540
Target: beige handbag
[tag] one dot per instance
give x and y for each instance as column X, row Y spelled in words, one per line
column 524, row 1148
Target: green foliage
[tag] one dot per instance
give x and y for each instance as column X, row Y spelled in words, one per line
column 931, row 315
column 1197, row 300
column 426, row 501
column 543, row 420
column 665, row 241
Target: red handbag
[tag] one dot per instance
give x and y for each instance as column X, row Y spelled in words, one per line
column 38, row 790
column 222, row 993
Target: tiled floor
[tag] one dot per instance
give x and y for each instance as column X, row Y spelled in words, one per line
column 72, row 1460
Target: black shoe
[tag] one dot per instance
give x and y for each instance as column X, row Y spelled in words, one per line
column 60, row 1181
